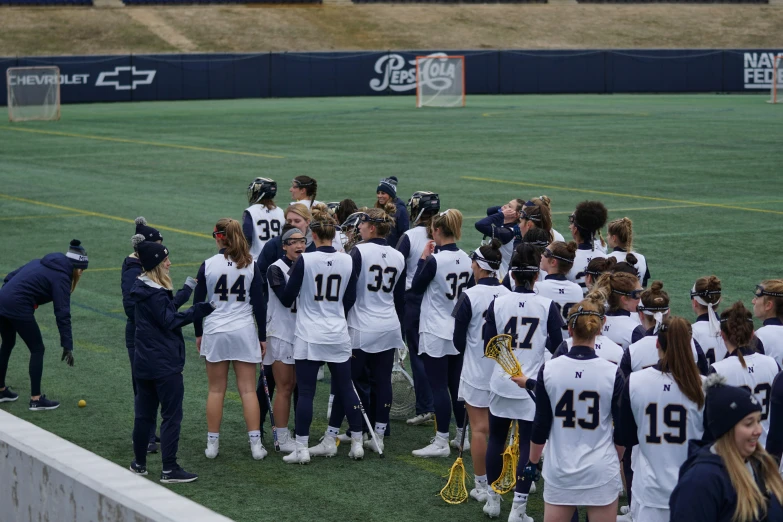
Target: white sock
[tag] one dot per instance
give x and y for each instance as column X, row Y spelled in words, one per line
column 480, row 480
column 332, row 432
column 213, row 437
column 356, row 436
column 282, row 433
column 520, row 498
column 491, row 492
column 303, row 439
column 443, row 435
column 380, row 428
column 254, row 435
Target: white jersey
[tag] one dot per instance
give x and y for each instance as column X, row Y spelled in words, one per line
column 641, row 262
column 666, row 420
column 524, row 316
column 581, row 260
column 557, row 236
column 564, row 293
column 280, row 321
column 619, row 328
column 713, row 346
column 374, row 310
column 599, row 247
column 605, row 348
column 757, row 378
column 320, row 316
column 644, row 353
column 306, row 202
column 451, row 277
column 266, row 225
column 417, row 236
column 228, row 286
column 506, row 251
column 477, row 369
column 771, row 335
column 580, row 450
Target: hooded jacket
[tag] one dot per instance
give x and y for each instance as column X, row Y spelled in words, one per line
column 401, row 223
column 39, row 282
column 704, row 492
column 131, row 270
column 160, row 347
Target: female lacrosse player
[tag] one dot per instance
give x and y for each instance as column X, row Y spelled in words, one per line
column 605, row 348
column 621, row 292
column 730, row 478
column 535, row 327
column 661, row 409
column 423, row 207
column 556, row 261
column 263, row 219
column 502, row 223
column 576, row 403
column 387, row 193
column 768, row 306
column 323, row 283
column 536, row 214
column 228, row 337
column 297, row 215
column 50, row 279
column 159, row 360
column 373, row 322
column 281, row 322
column 620, row 239
column 303, row 190
column 705, row 298
column 744, row 367
column 539, row 239
column 585, row 223
column 442, row 274
column 476, row 369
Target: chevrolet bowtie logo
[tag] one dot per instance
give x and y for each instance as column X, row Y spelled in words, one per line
column 112, row 78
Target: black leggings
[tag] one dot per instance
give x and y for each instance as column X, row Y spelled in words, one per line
column 306, row 378
column 498, row 436
column 380, row 367
column 31, row 335
column 443, row 374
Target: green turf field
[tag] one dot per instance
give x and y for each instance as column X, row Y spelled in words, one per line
column 699, row 175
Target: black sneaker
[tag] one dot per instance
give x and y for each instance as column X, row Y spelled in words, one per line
column 7, row 395
column 152, row 447
column 43, row 404
column 177, row 476
column 138, row 469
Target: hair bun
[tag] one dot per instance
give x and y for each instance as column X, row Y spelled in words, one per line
column 75, row 242
column 571, row 247
column 495, row 244
column 545, row 200
column 656, row 286
column 140, row 221
column 631, row 259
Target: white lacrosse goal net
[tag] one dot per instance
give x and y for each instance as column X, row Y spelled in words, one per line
column 775, row 95
column 440, row 81
column 33, row 93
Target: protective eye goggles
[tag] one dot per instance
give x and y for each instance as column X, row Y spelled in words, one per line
column 571, row 219
column 572, row 317
column 633, row 294
column 525, row 215
column 365, row 218
column 299, row 184
column 760, row 292
column 318, row 224
column 651, row 309
column 705, row 293
column 294, row 241
column 594, row 273
column 478, row 258
column 549, row 255
column 219, row 234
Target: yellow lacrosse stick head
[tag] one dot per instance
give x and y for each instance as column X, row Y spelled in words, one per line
column 508, row 477
column 455, row 491
column 499, row 349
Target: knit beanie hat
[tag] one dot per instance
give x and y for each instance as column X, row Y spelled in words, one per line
column 726, row 405
column 151, row 254
column 149, row 233
column 389, row 186
column 77, row 254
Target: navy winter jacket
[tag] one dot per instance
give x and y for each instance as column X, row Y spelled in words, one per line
column 401, row 223
column 131, row 270
column 39, row 282
column 160, row 348
column 704, row 492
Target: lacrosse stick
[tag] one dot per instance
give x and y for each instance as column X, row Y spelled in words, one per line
column 403, row 394
column 369, row 426
column 499, row 349
column 271, row 414
column 455, row 491
column 508, row 477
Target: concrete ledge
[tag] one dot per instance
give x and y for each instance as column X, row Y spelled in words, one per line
column 46, row 478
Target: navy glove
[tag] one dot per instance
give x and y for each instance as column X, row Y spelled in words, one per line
column 67, row 357
column 531, row 472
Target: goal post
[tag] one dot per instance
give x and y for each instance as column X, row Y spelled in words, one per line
column 33, row 93
column 440, row 81
column 775, row 96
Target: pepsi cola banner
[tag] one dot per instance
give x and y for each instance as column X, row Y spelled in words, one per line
column 85, row 79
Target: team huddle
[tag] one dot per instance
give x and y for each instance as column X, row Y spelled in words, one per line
column 607, row 391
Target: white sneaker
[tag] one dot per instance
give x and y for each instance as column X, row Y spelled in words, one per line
column 326, row 448
column 257, row 449
column 287, row 443
column 213, row 448
column 438, row 447
column 624, row 518
column 492, row 507
column 320, row 376
column 480, row 492
column 345, row 438
column 299, row 456
column 370, row 444
column 357, row 450
column 421, row 419
column 458, row 438
column 624, row 510
column 518, row 513
column 533, row 489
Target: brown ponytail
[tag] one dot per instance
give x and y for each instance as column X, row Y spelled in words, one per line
column 449, row 222
column 736, row 323
column 563, row 252
column 323, row 224
column 674, row 338
column 382, row 218
column 236, row 244
column 620, row 281
column 586, row 318
column 623, row 229
column 309, row 185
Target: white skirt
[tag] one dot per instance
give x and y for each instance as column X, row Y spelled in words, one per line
column 335, row 353
column 472, row 395
column 278, row 350
column 520, row 409
column 648, row 514
column 375, row 342
column 237, row 345
column 597, row 496
column 435, row 346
